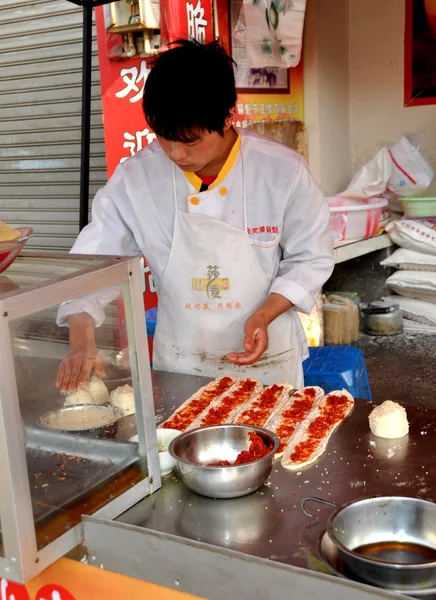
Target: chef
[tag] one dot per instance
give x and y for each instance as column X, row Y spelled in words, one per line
column 234, row 228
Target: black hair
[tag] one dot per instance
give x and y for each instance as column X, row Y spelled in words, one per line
column 190, row 89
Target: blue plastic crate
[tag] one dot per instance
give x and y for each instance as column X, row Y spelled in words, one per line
column 151, row 318
column 338, row 367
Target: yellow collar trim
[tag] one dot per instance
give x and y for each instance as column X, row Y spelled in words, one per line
column 196, row 182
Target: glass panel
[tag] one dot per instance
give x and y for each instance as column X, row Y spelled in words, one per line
column 79, row 456
column 34, row 270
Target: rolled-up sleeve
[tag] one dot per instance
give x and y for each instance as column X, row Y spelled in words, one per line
column 307, row 244
column 109, row 233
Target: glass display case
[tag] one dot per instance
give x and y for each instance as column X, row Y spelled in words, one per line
column 65, row 454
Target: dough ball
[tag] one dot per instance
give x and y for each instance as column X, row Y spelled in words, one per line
column 122, row 397
column 389, row 420
column 97, row 390
column 80, row 396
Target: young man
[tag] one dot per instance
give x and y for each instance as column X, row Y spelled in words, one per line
column 234, row 229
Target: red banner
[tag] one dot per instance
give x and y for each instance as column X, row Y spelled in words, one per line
column 125, row 128
column 122, row 85
column 182, row 19
column 122, row 81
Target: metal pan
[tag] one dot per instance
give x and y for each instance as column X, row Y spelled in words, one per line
column 91, row 419
column 387, row 541
column 329, row 556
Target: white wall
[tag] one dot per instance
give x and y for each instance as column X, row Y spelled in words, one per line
column 326, row 91
column 354, row 87
column 377, row 113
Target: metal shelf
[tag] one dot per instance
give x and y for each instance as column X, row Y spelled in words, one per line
column 348, row 250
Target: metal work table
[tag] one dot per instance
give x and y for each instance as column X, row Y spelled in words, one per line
column 269, row 523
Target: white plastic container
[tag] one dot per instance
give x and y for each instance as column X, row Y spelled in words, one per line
column 164, row 439
column 355, row 219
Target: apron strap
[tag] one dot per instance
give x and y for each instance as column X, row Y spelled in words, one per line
column 174, row 187
column 244, row 190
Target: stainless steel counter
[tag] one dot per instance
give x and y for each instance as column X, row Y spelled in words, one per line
column 269, row 523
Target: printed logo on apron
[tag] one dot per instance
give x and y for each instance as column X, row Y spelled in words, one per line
column 213, row 284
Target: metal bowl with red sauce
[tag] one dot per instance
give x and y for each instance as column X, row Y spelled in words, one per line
column 202, row 456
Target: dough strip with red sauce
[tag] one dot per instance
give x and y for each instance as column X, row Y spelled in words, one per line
column 223, row 410
column 311, row 440
column 259, row 409
column 194, row 406
column 286, row 422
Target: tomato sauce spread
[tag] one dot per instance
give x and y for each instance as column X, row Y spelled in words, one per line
column 186, row 416
column 292, row 417
column 262, row 407
column 269, row 397
column 219, row 414
column 332, row 412
column 257, row 449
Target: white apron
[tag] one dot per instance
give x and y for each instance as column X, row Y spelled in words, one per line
column 211, row 285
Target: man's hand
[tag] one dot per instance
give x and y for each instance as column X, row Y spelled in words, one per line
column 83, row 358
column 255, row 341
column 77, row 368
column 256, row 330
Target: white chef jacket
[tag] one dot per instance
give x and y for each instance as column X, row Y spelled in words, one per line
column 287, row 217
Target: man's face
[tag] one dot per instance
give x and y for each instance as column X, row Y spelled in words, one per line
column 194, row 156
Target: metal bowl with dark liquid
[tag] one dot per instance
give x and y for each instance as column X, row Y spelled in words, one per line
column 196, row 452
column 387, row 541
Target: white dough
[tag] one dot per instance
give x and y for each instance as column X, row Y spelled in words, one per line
column 97, row 390
column 80, row 396
column 122, row 397
column 389, row 420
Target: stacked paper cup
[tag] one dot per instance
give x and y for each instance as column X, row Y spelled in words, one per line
column 415, row 280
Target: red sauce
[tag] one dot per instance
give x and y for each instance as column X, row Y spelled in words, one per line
column 257, row 449
column 250, row 415
column 319, row 428
column 220, row 463
column 291, row 417
column 269, row 397
column 304, row 450
column 332, row 412
column 261, row 408
column 218, row 415
column 185, row 417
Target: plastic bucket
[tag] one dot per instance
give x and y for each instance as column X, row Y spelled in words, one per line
column 355, row 219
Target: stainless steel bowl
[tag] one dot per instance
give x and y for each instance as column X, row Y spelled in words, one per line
column 194, row 449
column 388, row 541
column 83, row 418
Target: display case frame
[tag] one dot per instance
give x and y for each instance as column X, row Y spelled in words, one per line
column 21, row 558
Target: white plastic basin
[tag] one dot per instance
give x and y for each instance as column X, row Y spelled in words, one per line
column 355, row 219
